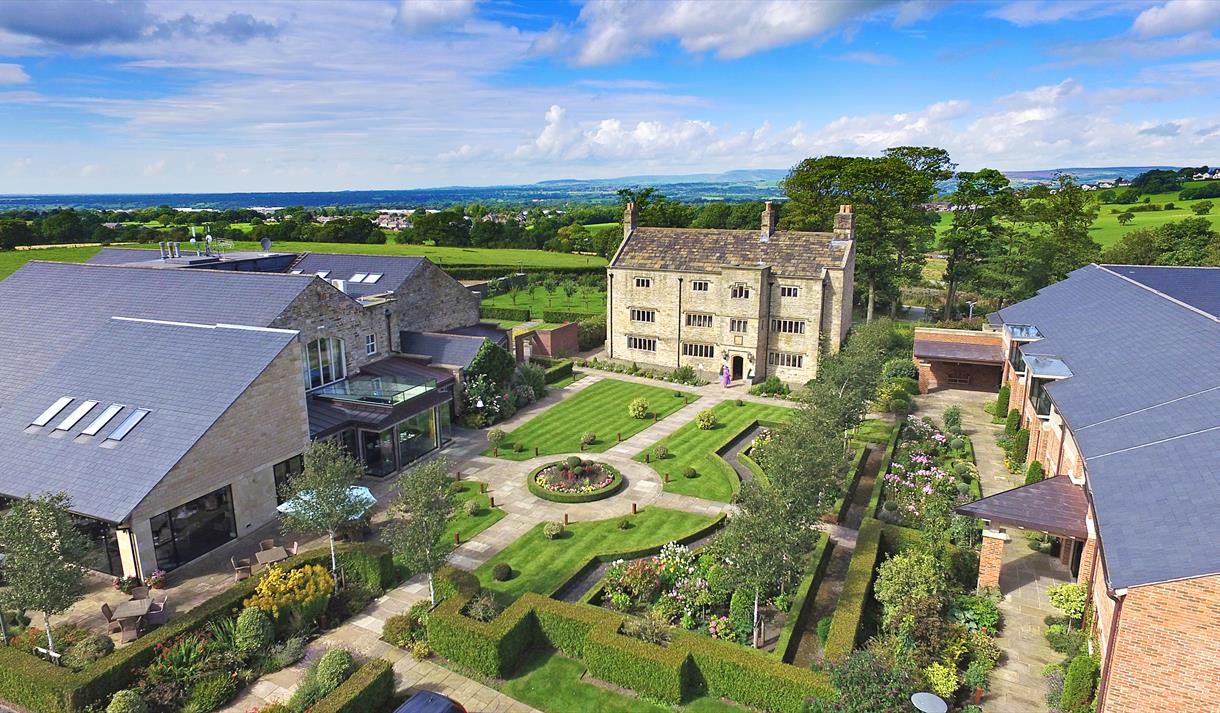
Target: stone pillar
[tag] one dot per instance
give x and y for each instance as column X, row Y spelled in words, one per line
column 1066, row 545
column 991, row 559
column 1086, row 560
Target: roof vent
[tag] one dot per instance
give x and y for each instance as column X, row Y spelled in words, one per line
column 340, row 285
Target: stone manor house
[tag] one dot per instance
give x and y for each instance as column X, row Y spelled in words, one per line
column 170, row 395
column 752, row 303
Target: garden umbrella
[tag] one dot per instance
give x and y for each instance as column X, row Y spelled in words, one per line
column 356, row 492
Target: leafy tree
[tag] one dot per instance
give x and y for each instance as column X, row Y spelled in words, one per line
column 1202, row 207
column 1192, row 241
column 908, row 576
column 641, row 197
column 569, row 290
column 321, row 494
column 576, row 237
column 1125, row 217
column 976, row 203
column 44, row 558
column 713, row 215
column 494, row 362
column 514, row 293
column 762, row 547
column 14, row 233
column 421, row 510
column 446, row 227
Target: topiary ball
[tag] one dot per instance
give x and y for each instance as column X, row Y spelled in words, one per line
column 127, row 702
column 552, row 530
column 334, row 668
column 957, row 444
column 572, row 461
column 501, row 572
column 890, row 506
column 689, row 472
column 254, row 631
column 472, row 507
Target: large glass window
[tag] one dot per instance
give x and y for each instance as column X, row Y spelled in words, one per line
column 445, row 417
column 325, row 362
column 378, row 452
column 417, row 436
column 194, row 529
column 285, row 471
column 103, row 554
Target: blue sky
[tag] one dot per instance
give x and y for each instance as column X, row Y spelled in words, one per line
column 101, row 96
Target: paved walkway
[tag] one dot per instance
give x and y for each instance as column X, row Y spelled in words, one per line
column 1017, row 685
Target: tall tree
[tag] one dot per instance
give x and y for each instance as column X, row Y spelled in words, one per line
column 421, row 511
column 975, row 203
column 44, row 558
column 321, row 495
column 916, row 233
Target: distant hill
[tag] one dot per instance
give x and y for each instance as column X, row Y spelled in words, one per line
column 1084, row 175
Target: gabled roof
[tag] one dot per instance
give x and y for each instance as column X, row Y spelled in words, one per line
column 1052, row 505
column 395, row 270
column 450, row 349
column 1196, row 286
column 185, row 375
column 788, row 253
column 1143, row 403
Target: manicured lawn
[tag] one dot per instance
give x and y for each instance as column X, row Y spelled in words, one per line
column 601, row 408
column 690, row 446
column 874, row 430
column 471, row 525
column 538, row 300
column 551, row 683
column 12, row 260
column 541, row 565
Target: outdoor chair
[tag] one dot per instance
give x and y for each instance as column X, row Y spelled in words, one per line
column 158, row 614
column 130, row 630
column 241, row 568
column 266, row 545
column 139, row 593
column 112, row 625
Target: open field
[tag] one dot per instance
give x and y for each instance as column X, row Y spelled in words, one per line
column 601, row 408
column 542, row 566
column 693, row 447
column 12, row 260
column 538, row 300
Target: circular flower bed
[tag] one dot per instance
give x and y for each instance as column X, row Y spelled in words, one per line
column 574, row 481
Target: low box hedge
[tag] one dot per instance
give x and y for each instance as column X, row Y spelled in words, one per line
column 874, row 502
column 370, row 688
column 843, row 503
column 555, row 316
column 514, row 314
column 600, row 494
column 690, row 662
column 857, row 588
column 554, row 369
column 41, row 687
column 802, row 600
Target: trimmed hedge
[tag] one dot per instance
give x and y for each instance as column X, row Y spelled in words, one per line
column 555, row 316
column 665, row 673
column 802, row 602
column 843, row 504
column 487, row 272
column 370, row 688
column 600, row 494
column 516, row 314
column 39, row 686
column 555, row 369
column 874, row 502
column 857, row 587
column 754, row 468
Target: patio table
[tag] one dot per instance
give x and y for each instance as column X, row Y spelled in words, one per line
column 271, row 556
column 132, row 608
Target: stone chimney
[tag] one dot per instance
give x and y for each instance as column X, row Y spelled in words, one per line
column 768, row 220
column 631, row 218
column 845, row 224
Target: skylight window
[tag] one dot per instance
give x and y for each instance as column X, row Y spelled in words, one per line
column 296, row 272
column 77, row 414
column 128, row 424
column 359, row 277
column 52, row 411
column 372, row 278
column 102, row 419
column 323, row 274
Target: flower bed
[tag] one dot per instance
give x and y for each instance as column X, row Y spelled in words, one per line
column 931, row 472
column 575, row 481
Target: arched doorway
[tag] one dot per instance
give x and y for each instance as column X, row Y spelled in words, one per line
column 738, row 369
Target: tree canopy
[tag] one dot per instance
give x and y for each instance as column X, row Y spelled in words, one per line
column 321, row 495
column 421, row 510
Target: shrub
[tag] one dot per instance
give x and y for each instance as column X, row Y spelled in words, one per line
column 650, row 628
column 910, row 387
column 85, row 652
column 591, row 332
column 624, row 523
column 638, row 408
column 533, row 377
column 741, row 613
column 127, row 701
column 908, row 576
column 824, row 628
column 705, row 420
column 867, row 684
column 899, row 405
column 1001, row 400
column 685, row 374
column 286, row 654
column 518, row 448
column 977, row 675
column 255, row 631
column 211, row 691
column 942, row 679
column 1034, row 473
column 1012, row 422
column 333, row 669
column 1079, row 685
column 1064, row 641
column 496, row 436
column 975, row 612
column 962, row 469
column 472, row 507
column 1069, row 598
column 304, row 590
column 483, row 607
column 900, row 366
column 771, row 386
column 952, row 419
column 660, row 452
column 397, row 630
column 689, row 473
column 370, row 688
column 552, row 530
column 501, row 572
column 1020, row 445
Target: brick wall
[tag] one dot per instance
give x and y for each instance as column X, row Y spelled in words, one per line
column 991, row 559
column 935, row 375
column 1167, row 652
column 558, row 342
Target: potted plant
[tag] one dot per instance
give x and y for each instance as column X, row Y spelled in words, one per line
column 156, row 580
column 126, row 584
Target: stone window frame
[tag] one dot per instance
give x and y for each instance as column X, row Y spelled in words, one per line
column 370, row 344
column 643, row 344
column 787, row 359
column 702, row 351
column 739, row 291
column 788, row 326
column 699, row 319
column 700, row 285
column 734, row 322
column 643, row 283
column 789, row 291
column 645, row 316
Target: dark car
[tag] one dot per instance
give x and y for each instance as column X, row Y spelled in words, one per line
column 429, row 702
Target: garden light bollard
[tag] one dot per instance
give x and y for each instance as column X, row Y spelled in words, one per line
column 647, row 457
column 565, row 518
column 634, row 508
column 654, row 418
column 482, row 487
column 495, row 452
column 535, row 451
column 492, row 498
column 665, row 477
column 457, row 475
column 618, row 437
column 457, row 538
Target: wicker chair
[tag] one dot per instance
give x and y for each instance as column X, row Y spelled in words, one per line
column 130, row 629
column 139, row 593
column 265, row 545
column 112, row 624
column 241, row 568
column 158, row 614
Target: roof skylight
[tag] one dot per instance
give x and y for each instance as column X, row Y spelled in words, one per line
column 77, row 414
column 296, row 272
column 52, row 411
column 359, row 277
column 128, row 424
column 102, row 419
column 323, row 273
column 372, row 278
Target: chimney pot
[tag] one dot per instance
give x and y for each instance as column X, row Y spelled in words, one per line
column 631, row 218
column 768, row 220
column 845, row 223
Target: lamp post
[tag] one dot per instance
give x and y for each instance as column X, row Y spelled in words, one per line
column 971, row 305
column 929, row 703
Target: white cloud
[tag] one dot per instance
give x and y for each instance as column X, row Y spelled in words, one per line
column 865, row 57
column 609, row 31
column 156, row 168
column 13, row 74
column 1025, row 13
column 89, row 169
column 1177, row 17
column 416, row 16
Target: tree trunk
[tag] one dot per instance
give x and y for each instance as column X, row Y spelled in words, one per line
column 898, row 300
column 950, row 298
column 334, row 561
column 3, row 629
column 431, row 589
column 46, row 622
column 872, row 298
column 756, row 617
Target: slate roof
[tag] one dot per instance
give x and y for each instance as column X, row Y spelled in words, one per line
column 1196, row 286
column 122, row 256
column 1053, row 505
column 395, row 270
column 789, row 253
column 1144, row 406
column 187, row 376
column 934, row 350
column 451, row 349
column 495, row 333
